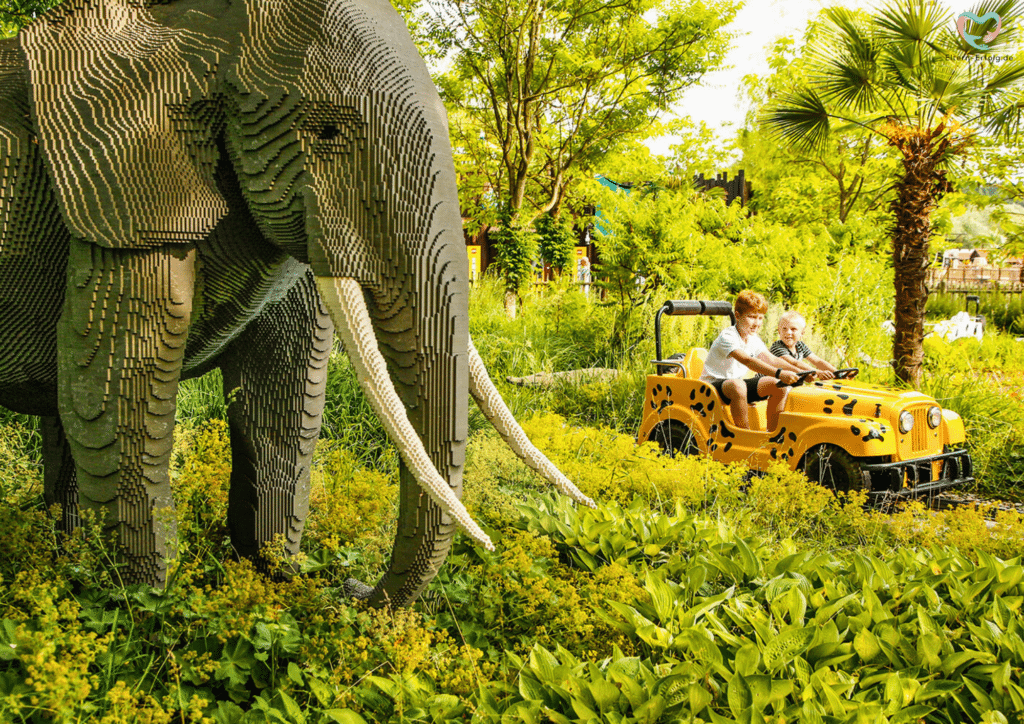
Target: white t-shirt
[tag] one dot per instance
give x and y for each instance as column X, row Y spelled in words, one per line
column 719, row 365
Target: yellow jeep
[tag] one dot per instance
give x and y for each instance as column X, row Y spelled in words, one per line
column 843, row 433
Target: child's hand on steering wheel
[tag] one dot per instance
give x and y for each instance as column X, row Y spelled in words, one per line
column 787, row 377
column 825, row 375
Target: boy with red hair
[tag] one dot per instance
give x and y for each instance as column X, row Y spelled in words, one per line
column 739, row 349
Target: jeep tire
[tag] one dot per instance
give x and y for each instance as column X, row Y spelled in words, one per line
column 834, row 468
column 674, row 438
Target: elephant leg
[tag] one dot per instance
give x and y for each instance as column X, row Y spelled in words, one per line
column 275, row 377
column 120, row 345
column 60, row 484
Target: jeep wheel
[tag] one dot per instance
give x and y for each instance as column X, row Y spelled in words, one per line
column 834, row 468
column 675, row 438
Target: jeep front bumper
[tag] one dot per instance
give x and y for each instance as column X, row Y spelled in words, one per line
column 913, row 478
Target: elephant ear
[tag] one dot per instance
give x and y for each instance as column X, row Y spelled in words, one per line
column 121, row 100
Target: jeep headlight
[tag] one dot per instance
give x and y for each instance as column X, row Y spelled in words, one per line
column 934, row 417
column 906, row 422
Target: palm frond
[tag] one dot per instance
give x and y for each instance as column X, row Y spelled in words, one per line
column 1008, row 75
column 800, row 119
column 920, row 22
column 846, row 82
column 1005, row 121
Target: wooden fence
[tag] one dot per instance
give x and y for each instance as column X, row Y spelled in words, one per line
column 973, row 279
column 737, row 188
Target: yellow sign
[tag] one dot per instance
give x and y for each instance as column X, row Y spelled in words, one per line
column 473, row 253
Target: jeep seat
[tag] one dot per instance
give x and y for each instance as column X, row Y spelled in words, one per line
column 693, row 363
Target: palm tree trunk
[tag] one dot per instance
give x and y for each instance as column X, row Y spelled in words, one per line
column 922, row 185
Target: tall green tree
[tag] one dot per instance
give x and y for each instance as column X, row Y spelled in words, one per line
column 546, row 87
column 16, row 14
column 554, row 84
column 904, row 75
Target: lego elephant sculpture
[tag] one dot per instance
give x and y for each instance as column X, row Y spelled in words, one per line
column 191, row 184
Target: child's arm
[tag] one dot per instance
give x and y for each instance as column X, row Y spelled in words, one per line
column 766, row 363
column 786, row 362
column 781, row 352
column 827, row 371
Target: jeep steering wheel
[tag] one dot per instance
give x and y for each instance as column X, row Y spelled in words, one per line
column 801, row 377
column 847, row 373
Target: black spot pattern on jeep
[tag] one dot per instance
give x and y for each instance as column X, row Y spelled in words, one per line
column 827, row 410
column 726, row 432
column 778, row 438
column 699, row 409
column 878, row 409
column 668, row 391
column 836, row 387
column 693, row 394
column 727, row 446
column 792, row 436
column 855, row 430
column 848, row 407
column 654, row 405
column 841, row 396
column 714, row 448
column 775, row 453
column 830, row 401
column 658, row 388
column 872, row 435
column 790, row 453
column 664, row 404
column 714, row 428
column 711, row 405
column 707, row 392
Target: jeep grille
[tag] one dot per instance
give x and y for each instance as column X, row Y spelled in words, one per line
column 919, row 435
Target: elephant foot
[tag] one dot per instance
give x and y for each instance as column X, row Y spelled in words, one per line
column 357, row 589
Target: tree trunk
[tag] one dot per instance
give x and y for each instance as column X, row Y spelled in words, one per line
column 510, row 303
column 922, row 185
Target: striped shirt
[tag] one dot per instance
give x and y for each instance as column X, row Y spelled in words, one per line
column 779, row 349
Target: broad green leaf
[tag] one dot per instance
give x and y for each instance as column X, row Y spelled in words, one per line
column 747, row 658
column 912, row 714
column 866, row 646
column 650, row 711
column 606, row 694
column 785, row 646
column 698, row 697
column 739, row 696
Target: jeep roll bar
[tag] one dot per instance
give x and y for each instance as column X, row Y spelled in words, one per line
column 688, row 307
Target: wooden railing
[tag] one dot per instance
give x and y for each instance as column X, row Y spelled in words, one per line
column 971, row 278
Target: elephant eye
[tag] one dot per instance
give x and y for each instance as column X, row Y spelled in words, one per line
column 329, row 132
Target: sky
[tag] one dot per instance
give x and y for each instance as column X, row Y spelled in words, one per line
column 716, row 101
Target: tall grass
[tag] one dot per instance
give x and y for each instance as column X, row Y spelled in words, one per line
column 1003, row 311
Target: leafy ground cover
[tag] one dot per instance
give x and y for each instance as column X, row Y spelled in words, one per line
column 691, row 594
column 682, row 597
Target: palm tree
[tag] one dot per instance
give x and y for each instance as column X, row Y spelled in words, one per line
column 905, row 74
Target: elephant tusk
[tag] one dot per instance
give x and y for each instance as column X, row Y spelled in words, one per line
column 345, row 302
column 488, row 399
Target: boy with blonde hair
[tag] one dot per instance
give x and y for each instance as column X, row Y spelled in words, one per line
column 790, row 347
